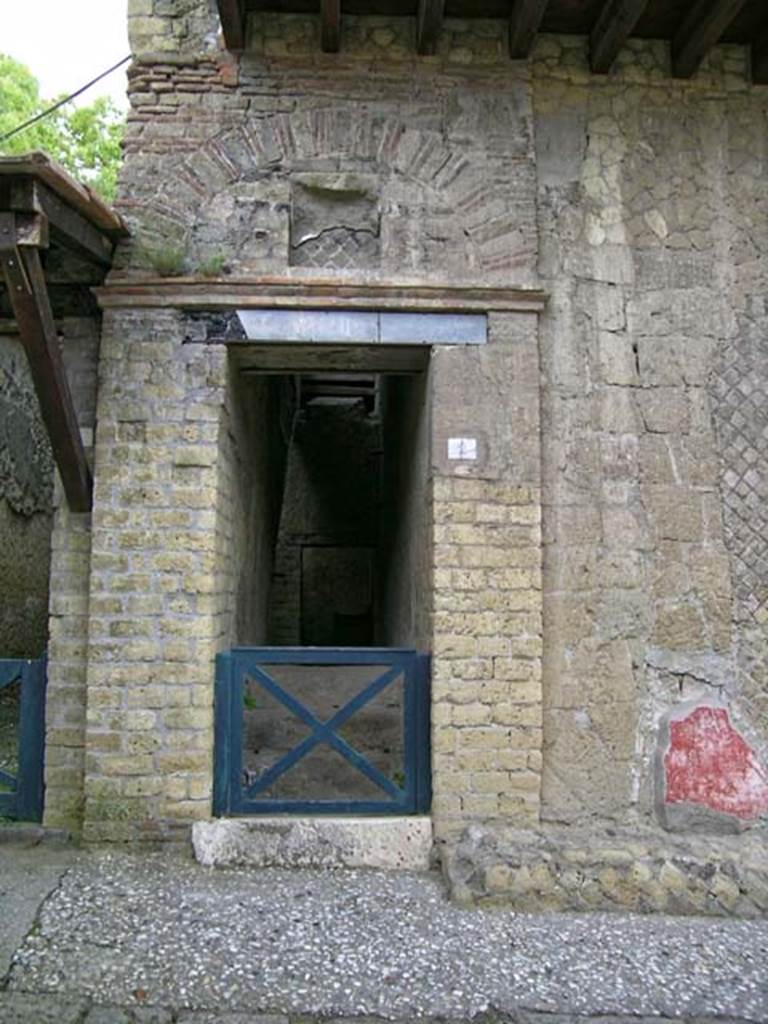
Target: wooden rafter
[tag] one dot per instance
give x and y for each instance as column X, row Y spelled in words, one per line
column 428, row 24
column 25, row 283
column 699, row 32
column 330, row 25
column 524, row 23
column 760, row 60
column 232, row 16
column 611, row 30
column 68, row 227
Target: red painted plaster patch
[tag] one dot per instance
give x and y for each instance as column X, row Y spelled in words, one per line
column 708, row 762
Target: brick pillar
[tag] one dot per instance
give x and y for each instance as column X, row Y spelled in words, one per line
column 67, row 646
column 487, row 695
column 155, row 606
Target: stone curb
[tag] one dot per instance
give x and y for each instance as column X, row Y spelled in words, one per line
column 34, row 835
column 29, row 1008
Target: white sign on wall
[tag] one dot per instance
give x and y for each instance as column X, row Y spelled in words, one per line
column 462, row 449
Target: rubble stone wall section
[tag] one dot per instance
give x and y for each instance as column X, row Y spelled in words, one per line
column 639, row 871
column 224, row 157
column 653, row 241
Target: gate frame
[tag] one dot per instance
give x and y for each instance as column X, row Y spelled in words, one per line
column 229, row 792
column 25, row 802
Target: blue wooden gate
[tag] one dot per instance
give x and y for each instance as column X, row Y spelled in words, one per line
column 238, row 791
column 21, row 794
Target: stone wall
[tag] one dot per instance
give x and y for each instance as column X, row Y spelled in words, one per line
column 42, row 544
column 406, row 515
column 651, row 245
column 250, row 463
column 326, row 554
column 229, row 159
column 26, row 485
column 618, row 442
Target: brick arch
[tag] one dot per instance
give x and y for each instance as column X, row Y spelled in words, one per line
column 342, row 139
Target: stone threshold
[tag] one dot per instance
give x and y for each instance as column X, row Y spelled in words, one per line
column 388, row 843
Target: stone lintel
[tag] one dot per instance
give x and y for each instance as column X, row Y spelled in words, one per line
column 395, row 843
column 329, row 293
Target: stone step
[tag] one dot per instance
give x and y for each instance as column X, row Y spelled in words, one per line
column 391, row 843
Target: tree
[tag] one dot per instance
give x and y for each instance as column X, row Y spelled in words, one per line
column 86, row 139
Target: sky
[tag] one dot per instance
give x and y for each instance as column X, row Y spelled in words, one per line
column 65, row 43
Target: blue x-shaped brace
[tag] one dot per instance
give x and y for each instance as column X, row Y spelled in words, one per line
column 324, row 732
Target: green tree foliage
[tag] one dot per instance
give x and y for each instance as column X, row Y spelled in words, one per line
column 86, row 139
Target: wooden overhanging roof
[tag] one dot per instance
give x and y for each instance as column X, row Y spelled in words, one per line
column 692, row 27
column 57, row 238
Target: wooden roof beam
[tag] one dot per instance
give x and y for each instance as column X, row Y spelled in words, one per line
column 428, row 24
column 25, row 283
column 611, row 30
column 232, row 17
column 524, row 23
column 330, row 25
column 68, row 227
column 699, row 32
column 760, row 60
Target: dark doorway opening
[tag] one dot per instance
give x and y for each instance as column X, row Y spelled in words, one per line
column 350, row 557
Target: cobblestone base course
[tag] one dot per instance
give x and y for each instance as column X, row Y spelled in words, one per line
column 549, row 870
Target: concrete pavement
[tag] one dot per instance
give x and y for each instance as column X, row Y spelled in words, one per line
column 101, row 937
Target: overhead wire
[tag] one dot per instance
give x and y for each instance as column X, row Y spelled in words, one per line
column 60, row 103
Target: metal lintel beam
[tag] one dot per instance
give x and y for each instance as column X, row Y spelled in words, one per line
column 330, row 25
column 232, row 17
column 699, row 32
column 25, row 282
column 428, row 23
column 524, row 23
column 69, row 227
column 613, row 27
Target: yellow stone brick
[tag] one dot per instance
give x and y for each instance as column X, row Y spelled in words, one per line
column 99, row 740
column 116, row 764
column 443, row 739
column 517, row 669
column 188, row 810
column 141, row 742
column 450, row 645
column 526, row 782
column 449, row 781
column 183, row 761
column 490, row 782
column 188, row 718
column 517, row 714
column 478, row 556
column 446, row 803
column 480, row 804
column 200, row 787
column 485, row 513
column 471, row 714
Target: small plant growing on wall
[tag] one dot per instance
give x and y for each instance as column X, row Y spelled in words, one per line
column 213, row 266
column 166, row 260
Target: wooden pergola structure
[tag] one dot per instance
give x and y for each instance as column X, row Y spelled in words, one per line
column 57, row 238
column 692, row 27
